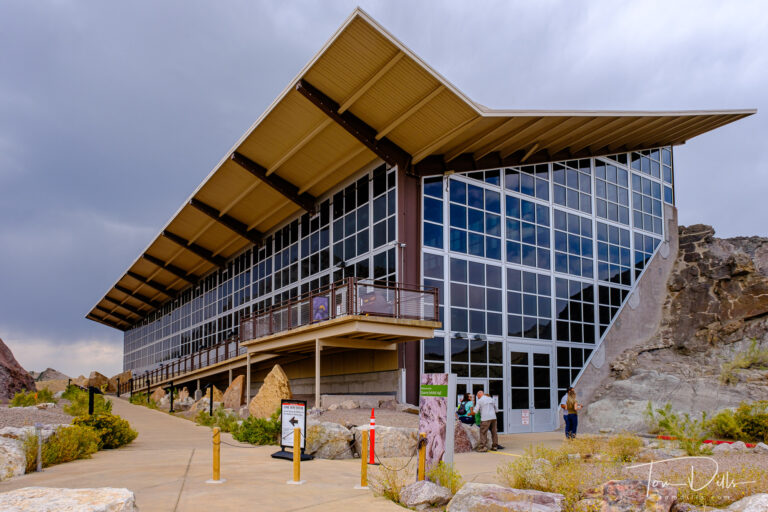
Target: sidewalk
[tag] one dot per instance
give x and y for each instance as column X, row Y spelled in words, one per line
column 167, row 465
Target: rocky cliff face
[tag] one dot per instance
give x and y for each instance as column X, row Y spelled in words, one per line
column 49, row 374
column 13, row 378
column 716, row 304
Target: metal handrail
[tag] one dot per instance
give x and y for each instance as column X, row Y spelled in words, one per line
column 341, row 298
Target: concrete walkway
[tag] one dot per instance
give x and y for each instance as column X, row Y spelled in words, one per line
column 168, row 464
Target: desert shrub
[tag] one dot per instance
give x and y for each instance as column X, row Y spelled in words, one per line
column 225, row 421
column 623, row 447
column 113, row 431
column 259, row 430
column 140, row 398
column 65, row 445
column 71, row 391
column 78, row 404
column 754, row 357
column 689, row 432
column 446, row 476
column 29, row 398
column 724, row 425
column 752, row 419
column 388, row 481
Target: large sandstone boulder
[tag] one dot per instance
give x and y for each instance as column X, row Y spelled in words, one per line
column 54, row 386
column 328, row 440
column 124, row 378
column 461, row 441
column 97, row 380
column 275, row 388
column 35, row 499
column 218, row 396
column 472, row 432
column 157, row 395
column 475, row 497
column 81, row 381
column 390, row 441
column 13, row 378
column 754, row 503
column 13, row 461
column 423, row 495
column 234, row 396
column 184, row 393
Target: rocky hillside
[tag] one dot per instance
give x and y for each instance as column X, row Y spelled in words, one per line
column 715, row 310
column 13, row 378
column 48, row 374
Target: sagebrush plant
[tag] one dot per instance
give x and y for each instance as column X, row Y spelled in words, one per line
column 259, row 430
column 446, row 476
column 113, row 431
column 226, row 421
column 78, row 403
column 749, row 422
column 65, row 445
column 30, row 398
column 754, row 357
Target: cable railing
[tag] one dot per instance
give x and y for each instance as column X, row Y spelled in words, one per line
column 350, row 296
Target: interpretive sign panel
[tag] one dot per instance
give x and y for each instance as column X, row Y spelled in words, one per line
column 293, row 413
column 525, row 416
column 437, row 416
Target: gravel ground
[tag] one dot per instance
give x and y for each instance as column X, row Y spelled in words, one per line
column 729, row 462
column 384, row 417
column 21, row 417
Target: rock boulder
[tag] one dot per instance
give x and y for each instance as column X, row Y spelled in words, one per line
column 51, row 374
column 424, row 495
column 461, row 441
column 97, row 380
column 13, row 461
column 124, row 378
column 326, row 440
column 754, row 503
column 631, row 495
column 475, row 497
column 234, row 396
column 104, row 499
column 275, row 388
column 157, row 395
column 183, row 394
column 390, row 441
column 13, row 378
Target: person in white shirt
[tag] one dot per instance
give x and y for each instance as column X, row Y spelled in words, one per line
column 486, row 408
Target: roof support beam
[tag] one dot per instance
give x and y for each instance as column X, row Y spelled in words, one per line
column 132, row 309
column 113, row 314
column 173, row 269
column 284, row 187
column 141, row 298
column 152, row 283
column 446, row 137
column 394, row 123
column 240, row 228
column 384, row 148
column 194, row 248
column 298, row 145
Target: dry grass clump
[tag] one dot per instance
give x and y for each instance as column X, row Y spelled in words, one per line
column 445, row 475
column 388, row 480
column 754, row 357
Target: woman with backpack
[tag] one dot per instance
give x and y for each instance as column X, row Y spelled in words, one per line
column 465, row 409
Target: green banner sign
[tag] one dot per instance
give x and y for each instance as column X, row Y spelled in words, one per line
column 434, row 390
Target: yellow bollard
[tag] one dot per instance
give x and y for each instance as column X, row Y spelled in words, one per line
column 422, row 454
column 296, row 458
column 363, row 461
column 216, row 458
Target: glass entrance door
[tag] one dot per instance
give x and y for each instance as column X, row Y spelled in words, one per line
column 531, row 393
column 469, row 386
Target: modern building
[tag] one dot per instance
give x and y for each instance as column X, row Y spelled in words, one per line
column 534, row 227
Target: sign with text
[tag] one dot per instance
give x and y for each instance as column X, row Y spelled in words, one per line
column 293, row 414
column 434, row 390
column 525, row 416
column 437, row 416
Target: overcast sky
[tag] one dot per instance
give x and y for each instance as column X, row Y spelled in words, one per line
column 111, row 113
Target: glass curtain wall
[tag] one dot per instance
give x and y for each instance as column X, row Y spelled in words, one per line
column 353, row 234
column 533, row 264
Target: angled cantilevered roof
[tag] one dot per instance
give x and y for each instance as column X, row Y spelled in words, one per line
column 364, row 96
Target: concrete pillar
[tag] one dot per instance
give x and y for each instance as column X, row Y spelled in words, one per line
column 318, row 347
column 230, row 376
column 248, row 378
column 198, row 391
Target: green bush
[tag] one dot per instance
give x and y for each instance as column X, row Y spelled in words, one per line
column 113, row 431
column 259, row 430
column 29, row 398
column 141, row 399
column 225, row 421
column 78, row 405
column 65, row 445
column 749, row 422
column 689, row 432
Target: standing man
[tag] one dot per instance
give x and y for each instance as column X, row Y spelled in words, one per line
column 486, row 408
